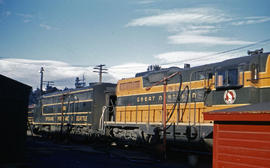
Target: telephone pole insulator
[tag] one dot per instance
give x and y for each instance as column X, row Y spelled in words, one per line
column 100, row 71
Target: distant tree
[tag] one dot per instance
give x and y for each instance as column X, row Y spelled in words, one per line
column 51, row 89
column 33, row 97
column 153, row 68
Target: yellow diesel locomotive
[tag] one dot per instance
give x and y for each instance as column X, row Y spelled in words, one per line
column 189, row 92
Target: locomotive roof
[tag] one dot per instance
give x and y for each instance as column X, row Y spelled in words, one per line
column 234, row 61
column 226, row 63
column 173, row 69
column 76, row 89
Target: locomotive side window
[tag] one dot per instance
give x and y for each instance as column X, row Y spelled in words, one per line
column 120, row 101
column 254, row 73
column 209, row 79
column 229, row 78
column 232, row 77
column 241, row 71
column 221, row 79
column 200, row 75
column 210, row 75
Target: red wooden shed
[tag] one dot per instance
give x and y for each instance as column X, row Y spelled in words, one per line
column 241, row 136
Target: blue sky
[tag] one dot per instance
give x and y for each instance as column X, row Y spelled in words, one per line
column 69, row 37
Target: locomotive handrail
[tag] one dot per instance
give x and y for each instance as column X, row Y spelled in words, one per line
column 190, row 78
column 259, row 78
column 101, row 120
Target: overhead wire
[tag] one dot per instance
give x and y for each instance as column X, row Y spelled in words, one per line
column 219, row 53
column 262, row 42
column 222, row 56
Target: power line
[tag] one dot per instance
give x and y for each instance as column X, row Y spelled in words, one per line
column 204, row 57
column 266, row 41
column 82, row 66
column 219, row 53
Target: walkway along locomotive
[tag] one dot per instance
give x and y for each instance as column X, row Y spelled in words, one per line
column 134, row 109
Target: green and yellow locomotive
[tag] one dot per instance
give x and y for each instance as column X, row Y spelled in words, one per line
column 77, row 111
column 189, row 93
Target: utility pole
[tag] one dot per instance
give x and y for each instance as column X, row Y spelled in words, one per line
column 41, row 79
column 100, row 71
column 49, row 84
column 164, row 108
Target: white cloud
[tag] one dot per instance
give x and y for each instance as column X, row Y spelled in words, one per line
column 63, row 74
column 127, row 70
column 47, row 27
column 4, row 14
column 200, row 29
column 251, row 20
column 187, row 16
column 202, row 39
column 24, row 15
column 179, row 58
column 197, row 25
column 7, row 13
column 26, row 20
column 146, row 1
column 27, row 71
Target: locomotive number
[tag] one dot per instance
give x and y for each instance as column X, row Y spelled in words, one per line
column 49, row 118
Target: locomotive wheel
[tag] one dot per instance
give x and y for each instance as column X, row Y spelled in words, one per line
column 191, row 132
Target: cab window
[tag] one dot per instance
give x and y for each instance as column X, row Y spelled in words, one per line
column 232, row 77
column 228, row 78
column 254, row 73
column 221, row 79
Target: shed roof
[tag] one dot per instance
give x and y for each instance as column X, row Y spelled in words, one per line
column 12, row 89
column 255, row 112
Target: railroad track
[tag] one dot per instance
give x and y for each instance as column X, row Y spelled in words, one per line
column 128, row 154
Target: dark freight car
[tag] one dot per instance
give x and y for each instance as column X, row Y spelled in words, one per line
column 14, row 102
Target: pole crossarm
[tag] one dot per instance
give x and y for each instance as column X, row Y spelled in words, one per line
column 100, row 70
